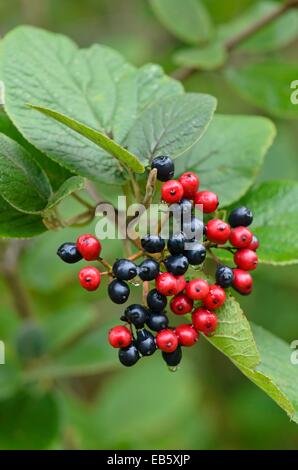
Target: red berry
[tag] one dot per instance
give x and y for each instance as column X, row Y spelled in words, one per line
column 89, row 247
column 218, row 231
column 120, row 337
column 240, row 237
column 180, row 283
column 242, row 282
column 89, row 278
column 167, row 340
column 208, row 200
column 254, row 245
column 172, row 191
column 190, row 183
column 181, row 304
column 197, row 289
column 246, row 259
column 205, row 321
column 216, row 297
column 187, row 335
column 166, row 284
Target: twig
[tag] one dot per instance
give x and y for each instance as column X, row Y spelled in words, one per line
column 150, row 188
column 146, row 288
column 137, row 255
column 105, row 264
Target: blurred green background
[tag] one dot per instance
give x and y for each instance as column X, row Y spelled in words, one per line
column 82, row 399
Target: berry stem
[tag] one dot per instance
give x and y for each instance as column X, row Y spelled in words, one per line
column 105, row 264
column 136, row 255
column 146, row 288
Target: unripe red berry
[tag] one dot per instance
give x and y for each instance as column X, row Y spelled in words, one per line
column 254, row 245
column 167, row 340
column 120, row 337
column 190, row 183
column 205, row 321
column 180, row 283
column 89, row 247
column 187, row 335
column 166, row 284
column 242, row 282
column 240, row 237
column 181, row 304
column 208, row 200
column 246, row 259
column 197, row 289
column 218, row 231
column 89, row 278
column 215, row 298
column 172, row 191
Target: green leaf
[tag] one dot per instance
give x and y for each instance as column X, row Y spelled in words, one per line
column 15, row 224
column 188, row 20
column 75, row 183
column 275, row 208
column 22, row 418
column 266, row 85
column 232, row 149
column 210, row 57
column 171, row 126
column 23, row 184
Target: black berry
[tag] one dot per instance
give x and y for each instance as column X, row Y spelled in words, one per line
column 124, row 269
column 136, row 314
column 176, row 243
column 165, row 168
column 69, row 253
column 129, row 356
column 224, row 276
column 172, row 359
column 153, row 243
column 196, row 253
column 157, row 321
column 118, row 291
column 242, row 216
column 193, row 229
column 156, row 301
column 148, row 270
column 145, row 342
column 176, row 265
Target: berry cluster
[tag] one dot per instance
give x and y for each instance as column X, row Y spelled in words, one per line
column 166, row 263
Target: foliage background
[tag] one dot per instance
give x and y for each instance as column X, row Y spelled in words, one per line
column 208, row 404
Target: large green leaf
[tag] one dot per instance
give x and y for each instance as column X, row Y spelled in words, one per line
column 275, row 208
column 208, row 57
column 15, row 224
column 266, row 85
column 187, row 19
column 171, row 126
column 232, row 150
column 23, row 184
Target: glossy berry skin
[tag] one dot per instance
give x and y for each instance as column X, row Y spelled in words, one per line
column 89, row 247
column 165, row 167
column 69, row 253
column 172, row 191
column 89, row 278
column 196, row 254
column 167, row 340
column 157, row 321
column 174, row 358
column 208, row 200
column 136, row 314
column 176, row 264
column 187, row 335
column 129, row 356
column 176, row 244
column 124, row 269
column 190, row 183
column 205, row 321
column 153, row 243
column 241, row 237
column 120, row 337
column 254, row 245
column 218, row 231
column 166, row 284
column 224, row 276
column 180, row 284
column 185, row 207
column 181, row 304
column 118, row 291
column 197, row 289
column 215, row 298
column 145, row 342
column 193, row 230
column 156, row 301
column 148, row 270
column 242, row 216
column 246, row 259
column 243, row 282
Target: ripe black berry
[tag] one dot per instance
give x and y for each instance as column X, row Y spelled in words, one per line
column 172, row 359
column 224, row 276
column 165, row 168
column 69, row 253
column 124, row 269
column 148, row 270
column 156, row 301
column 118, row 291
column 194, row 229
column 145, row 342
column 176, row 265
column 176, row 243
column 241, row 216
column 196, row 253
column 129, row 356
column 157, row 321
column 136, row 314
column 153, row 243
